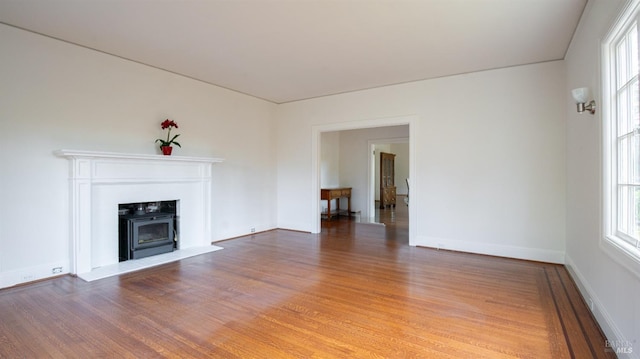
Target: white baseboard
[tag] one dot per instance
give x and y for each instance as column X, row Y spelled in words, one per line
column 607, row 324
column 533, row 254
column 237, row 234
column 30, row 274
column 292, row 226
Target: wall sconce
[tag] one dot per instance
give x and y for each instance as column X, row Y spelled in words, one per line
column 581, row 96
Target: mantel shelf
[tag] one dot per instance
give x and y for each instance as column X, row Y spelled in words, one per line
column 132, row 156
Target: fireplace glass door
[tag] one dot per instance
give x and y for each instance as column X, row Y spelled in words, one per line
column 150, row 233
column 146, row 235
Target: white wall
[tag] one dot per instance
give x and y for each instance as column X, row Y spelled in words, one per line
column 330, row 160
column 614, row 290
column 56, row 95
column 490, row 169
column 330, row 163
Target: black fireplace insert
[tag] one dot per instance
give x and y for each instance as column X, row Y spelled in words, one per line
column 144, row 235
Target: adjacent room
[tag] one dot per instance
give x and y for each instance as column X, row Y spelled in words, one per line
column 266, row 178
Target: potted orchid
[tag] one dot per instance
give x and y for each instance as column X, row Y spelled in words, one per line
column 165, row 145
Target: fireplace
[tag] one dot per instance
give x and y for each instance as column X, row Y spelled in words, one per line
column 100, row 181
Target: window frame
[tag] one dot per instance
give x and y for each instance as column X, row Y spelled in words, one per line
column 617, row 244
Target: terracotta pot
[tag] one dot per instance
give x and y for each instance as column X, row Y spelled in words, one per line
column 166, row 150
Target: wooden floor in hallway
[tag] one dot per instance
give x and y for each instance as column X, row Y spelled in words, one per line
column 352, row 291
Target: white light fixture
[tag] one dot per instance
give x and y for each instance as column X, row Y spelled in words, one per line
column 581, row 96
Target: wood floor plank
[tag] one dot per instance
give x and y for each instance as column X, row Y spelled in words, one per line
column 592, row 334
column 355, row 290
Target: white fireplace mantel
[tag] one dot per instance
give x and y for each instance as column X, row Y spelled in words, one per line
column 133, row 156
column 99, row 181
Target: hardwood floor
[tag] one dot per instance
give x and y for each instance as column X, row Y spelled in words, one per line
column 355, row 290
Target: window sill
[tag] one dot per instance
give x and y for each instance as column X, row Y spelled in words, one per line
column 622, row 253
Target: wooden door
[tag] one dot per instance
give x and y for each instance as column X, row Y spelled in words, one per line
column 387, row 180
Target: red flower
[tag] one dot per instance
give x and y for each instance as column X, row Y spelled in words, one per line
column 170, row 140
column 168, row 123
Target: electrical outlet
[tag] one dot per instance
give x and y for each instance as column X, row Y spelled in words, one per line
column 253, row 230
column 56, row 270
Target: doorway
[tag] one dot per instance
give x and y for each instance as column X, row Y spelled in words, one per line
column 401, row 149
column 365, row 190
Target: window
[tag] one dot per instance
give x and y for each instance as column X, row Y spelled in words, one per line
column 622, row 132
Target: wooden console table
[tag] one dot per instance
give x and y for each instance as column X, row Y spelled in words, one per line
column 336, row 193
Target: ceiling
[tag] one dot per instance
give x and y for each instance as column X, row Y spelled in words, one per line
column 288, row 50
